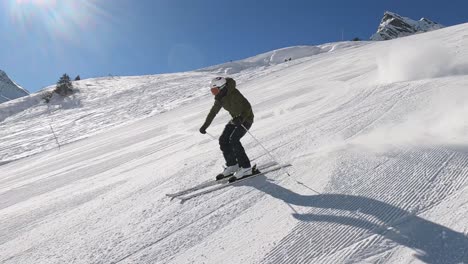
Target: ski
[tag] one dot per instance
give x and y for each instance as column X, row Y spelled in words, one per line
column 197, row 187
column 210, row 183
column 227, row 183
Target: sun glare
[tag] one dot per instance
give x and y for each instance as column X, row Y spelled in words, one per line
column 37, row 2
column 59, row 20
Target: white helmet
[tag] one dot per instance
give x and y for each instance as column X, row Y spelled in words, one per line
column 217, row 84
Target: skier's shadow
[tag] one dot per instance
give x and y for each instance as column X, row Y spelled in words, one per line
column 435, row 243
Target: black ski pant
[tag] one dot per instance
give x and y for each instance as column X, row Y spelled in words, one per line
column 231, row 146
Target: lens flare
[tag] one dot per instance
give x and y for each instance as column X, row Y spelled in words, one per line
column 62, row 20
column 37, row 2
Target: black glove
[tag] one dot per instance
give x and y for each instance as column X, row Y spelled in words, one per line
column 237, row 120
column 203, row 129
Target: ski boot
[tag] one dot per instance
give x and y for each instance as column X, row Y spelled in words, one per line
column 244, row 173
column 228, row 171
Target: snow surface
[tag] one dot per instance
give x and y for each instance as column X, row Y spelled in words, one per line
column 376, row 134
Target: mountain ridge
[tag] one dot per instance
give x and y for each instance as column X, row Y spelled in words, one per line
column 10, row 90
column 394, row 26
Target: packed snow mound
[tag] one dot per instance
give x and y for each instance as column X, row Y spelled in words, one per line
column 278, row 56
column 9, row 90
column 395, row 26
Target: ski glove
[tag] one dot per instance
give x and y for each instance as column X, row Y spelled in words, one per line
column 203, row 129
column 237, row 120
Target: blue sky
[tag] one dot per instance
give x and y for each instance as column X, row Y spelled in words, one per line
column 42, row 39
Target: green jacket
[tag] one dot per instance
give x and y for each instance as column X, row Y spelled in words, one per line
column 232, row 101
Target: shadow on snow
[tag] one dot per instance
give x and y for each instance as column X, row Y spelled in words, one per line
column 435, row 243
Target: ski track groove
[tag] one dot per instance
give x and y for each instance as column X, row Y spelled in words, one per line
column 336, row 242
column 80, row 169
column 385, row 112
column 362, row 246
column 342, row 256
column 413, row 183
column 423, row 187
column 339, row 244
column 321, row 117
column 397, row 217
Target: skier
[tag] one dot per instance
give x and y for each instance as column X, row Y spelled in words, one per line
column 231, row 99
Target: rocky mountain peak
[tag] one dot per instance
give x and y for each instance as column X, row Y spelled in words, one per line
column 9, row 90
column 394, row 26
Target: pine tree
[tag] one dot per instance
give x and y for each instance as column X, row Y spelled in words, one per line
column 77, row 78
column 64, row 86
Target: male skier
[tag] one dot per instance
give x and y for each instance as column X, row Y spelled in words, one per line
column 228, row 97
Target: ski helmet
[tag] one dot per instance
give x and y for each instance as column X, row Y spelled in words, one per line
column 217, row 84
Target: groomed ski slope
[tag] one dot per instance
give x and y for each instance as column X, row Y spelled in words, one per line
column 376, row 134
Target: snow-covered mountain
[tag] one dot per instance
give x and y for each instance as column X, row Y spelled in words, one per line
column 376, row 135
column 394, row 26
column 277, row 57
column 9, row 90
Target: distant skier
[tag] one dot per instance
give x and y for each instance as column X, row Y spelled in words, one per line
column 231, row 99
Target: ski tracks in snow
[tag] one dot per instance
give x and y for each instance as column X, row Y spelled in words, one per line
column 379, row 209
column 353, row 225
column 375, row 200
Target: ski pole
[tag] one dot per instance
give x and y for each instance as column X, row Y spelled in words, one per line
column 211, row 136
column 259, row 143
column 301, row 183
column 266, row 150
column 274, row 160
